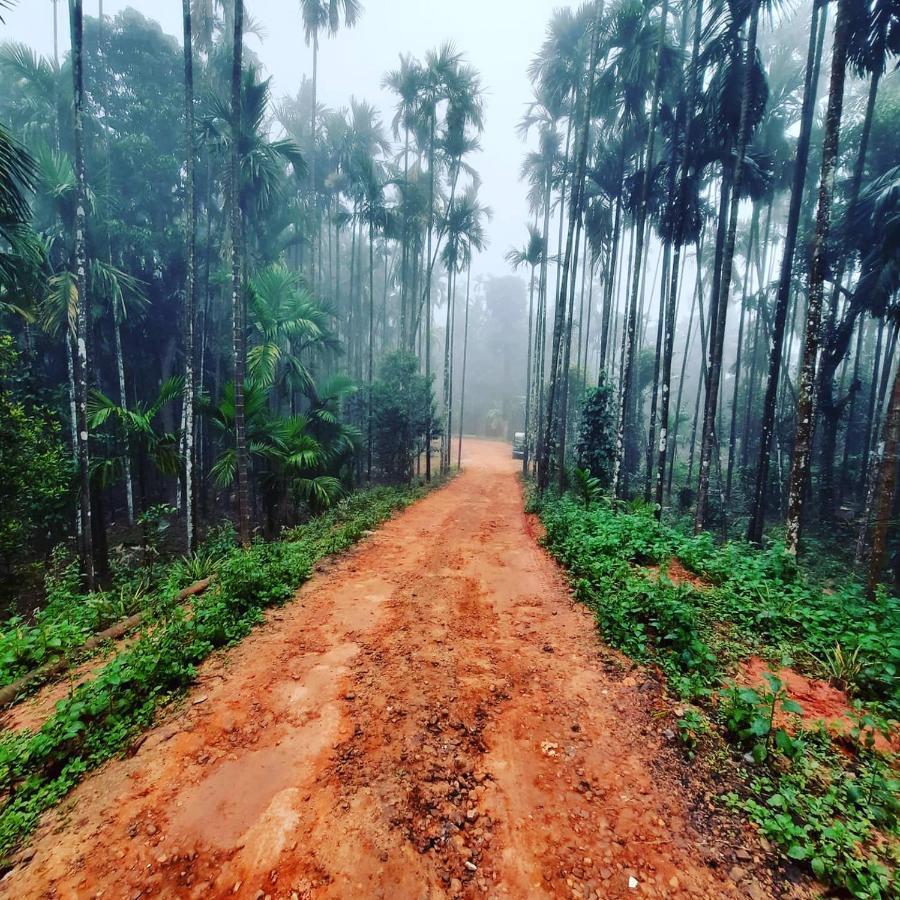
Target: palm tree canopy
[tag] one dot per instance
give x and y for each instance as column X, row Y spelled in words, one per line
column 325, row 15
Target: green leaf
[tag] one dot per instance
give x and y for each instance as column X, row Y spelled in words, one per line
column 760, row 726
column 797, row 851
column 818, row 866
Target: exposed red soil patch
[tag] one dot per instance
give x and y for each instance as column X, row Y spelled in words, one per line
column 821, row 701
column 678, row 574
column 431, row 717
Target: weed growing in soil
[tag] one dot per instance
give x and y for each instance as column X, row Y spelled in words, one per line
column 836, row 811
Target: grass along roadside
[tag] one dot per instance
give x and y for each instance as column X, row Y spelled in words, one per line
column 834, row 808
column 103, row 715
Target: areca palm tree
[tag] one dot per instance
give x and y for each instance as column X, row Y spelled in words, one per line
column 560, row 347
column 296, row 456
column 464, row 228
column 757, row 515
column 190, row 296
column 322, row 16
column 465, row 237
column 800, row 460
column 445, row 79
column 239, row 346
column 406, row 83
column 753, row 100
column 140, row 426
column 76, row 16
column 531, row 255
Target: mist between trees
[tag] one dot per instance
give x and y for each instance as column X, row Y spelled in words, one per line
column 204, row 286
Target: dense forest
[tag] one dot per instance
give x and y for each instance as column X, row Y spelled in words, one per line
column 213, row 295
column 686, row 164
column 239, row 329
column 724, row 262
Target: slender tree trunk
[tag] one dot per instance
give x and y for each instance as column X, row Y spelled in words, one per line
column 887, row 478
column 371, row 365
column 428, row 274
column 700, row 382
column 732, row 435
column 719, row 305
column 851, row 412
column 870, row 412
column 758, row 511
column 237, row 284
column 657, row 364
column 76, row 18
column 609, row 287
column 445, row 430
column 575, row 202
column 805, row 400
column 673, row 455
column 462, row 389
column 566, row 363
column 190, row 291
column 312, row 159
column 525, row 453
column 620, row 469
column 540, row 353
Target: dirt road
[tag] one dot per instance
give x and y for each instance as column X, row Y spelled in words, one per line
column 433, row 716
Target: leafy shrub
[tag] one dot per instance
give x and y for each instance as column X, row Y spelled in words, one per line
column 595, row 441
column 401, row 405
column 37, row 481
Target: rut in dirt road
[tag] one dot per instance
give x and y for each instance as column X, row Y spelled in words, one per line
column 433, row 716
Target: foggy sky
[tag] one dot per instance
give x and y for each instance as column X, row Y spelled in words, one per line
column 499, row 37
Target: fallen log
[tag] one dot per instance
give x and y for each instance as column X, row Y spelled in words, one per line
column 44, row 673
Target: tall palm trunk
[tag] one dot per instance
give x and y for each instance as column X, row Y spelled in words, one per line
column 405, row 249
column 567, row 353
column 836, row 340
column 719, row 305
column 190, row 289
column 312, row 158
column 758, row 511
column 123, row 402
column 881, row 515
column 609, row 287
column 462, row 387
column 870, row 406
column 445, row 431
column 678, row 241
column 371, row 347
column 818, row 270
column 76, row 17
column 541, row 338
column 574, row 206
column 657, row 362
column 528, row 363
column 732, row 434
column 620, row 473
column 428, row 272
column 237, row 284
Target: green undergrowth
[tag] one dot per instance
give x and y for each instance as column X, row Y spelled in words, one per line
column 836, row 812
column 102, row 716
column 69, row 617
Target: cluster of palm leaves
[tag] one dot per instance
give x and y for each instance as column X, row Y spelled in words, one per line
column 686, row 135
